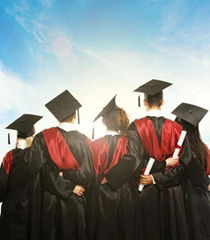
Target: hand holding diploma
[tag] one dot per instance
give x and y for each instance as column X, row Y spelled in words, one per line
column 148, row 179
column 147, row 171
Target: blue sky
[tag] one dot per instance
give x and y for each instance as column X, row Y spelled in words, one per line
column 96, row 48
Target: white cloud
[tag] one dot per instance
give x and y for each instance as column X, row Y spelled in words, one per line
column 95, row 77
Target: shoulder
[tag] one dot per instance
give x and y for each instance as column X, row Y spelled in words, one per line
column 9, row 155
column 173, row 124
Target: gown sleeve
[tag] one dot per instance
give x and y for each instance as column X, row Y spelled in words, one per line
column 128, row 164
column 196, row 173
column 37, row 161
column 84, row 176
column 174, row 175
column 3, row 184
column 5, row 171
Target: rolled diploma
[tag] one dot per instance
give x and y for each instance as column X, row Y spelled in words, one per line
column 175, row 154
column 179, row 143
column 147, row 171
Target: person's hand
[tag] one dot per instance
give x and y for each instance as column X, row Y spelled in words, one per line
column 209, row 187
column 104, row 181
column 61, row 174
column 146, row 179
column 170, row 162
column 78, row 190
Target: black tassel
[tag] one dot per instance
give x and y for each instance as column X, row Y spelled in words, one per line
column 93, row 132
column 139, row 101
column 78, row 117
column 9, row 142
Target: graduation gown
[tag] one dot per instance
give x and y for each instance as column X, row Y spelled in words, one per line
column 113, row 204
column 155, row 137
column 197, row 198
column 20, row 212
column 63, row 213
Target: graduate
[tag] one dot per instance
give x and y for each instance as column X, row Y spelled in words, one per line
column 66, row 172
column 115, row 218
column 196, row 181
column 154, row 136
column 19, row 206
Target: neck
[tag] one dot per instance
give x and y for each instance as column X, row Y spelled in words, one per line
column 153, row 108
column 69, row 121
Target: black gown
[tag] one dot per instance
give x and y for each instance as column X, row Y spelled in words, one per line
column 63, row 213
column 197, row 199
column 20, row 211
column 115, row 215
column 155, row 218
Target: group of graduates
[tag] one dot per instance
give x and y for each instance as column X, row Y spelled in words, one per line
column 61, row 185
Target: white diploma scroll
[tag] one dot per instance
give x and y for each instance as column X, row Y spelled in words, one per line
column 147, row 171
column 175, row 154
column 179, row 143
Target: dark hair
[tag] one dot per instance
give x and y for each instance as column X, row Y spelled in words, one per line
column 155, row 100
column 198, row 146
column 117, row 120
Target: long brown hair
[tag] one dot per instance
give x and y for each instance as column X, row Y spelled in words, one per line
column 117, row 120
column 198, row 146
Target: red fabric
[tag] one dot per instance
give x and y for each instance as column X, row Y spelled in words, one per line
column 120, row 150
column 59, row 150
column 7, row 162
column 100, row 153
column 208, row 162
column 169, row 137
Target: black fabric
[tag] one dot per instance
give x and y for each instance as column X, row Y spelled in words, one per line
column 116, row 214
column 20, row 212
column 57, row 212
column 155, row 218
column 197, row 200
column 64, row 213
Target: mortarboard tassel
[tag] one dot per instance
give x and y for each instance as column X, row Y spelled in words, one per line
column 139, row 101
column 93, row 132
column 9, row 142
column 78, row 117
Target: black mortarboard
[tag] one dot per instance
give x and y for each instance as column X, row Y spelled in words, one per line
column 153, row 87
column 190, row 113
column 63, row 105
column 24, row 125
column 108, row 108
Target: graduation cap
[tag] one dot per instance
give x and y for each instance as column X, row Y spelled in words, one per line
column 63, row 106
column 152, row 88
column 24, row 125
column 106, row 110
column 190, row 113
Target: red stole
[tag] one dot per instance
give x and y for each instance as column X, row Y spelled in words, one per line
column 100, row 153
column 169, row 137
column 7, row 162
column 208, row 162
column 59, row 150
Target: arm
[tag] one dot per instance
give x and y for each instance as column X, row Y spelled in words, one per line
column 174, row 176
column 81, row 151
column 129, row 163
column 197, row 175
column 4, row 179
column 54, row 183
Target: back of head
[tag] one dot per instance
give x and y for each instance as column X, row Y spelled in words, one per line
column 154, row 100
column 117, row 120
